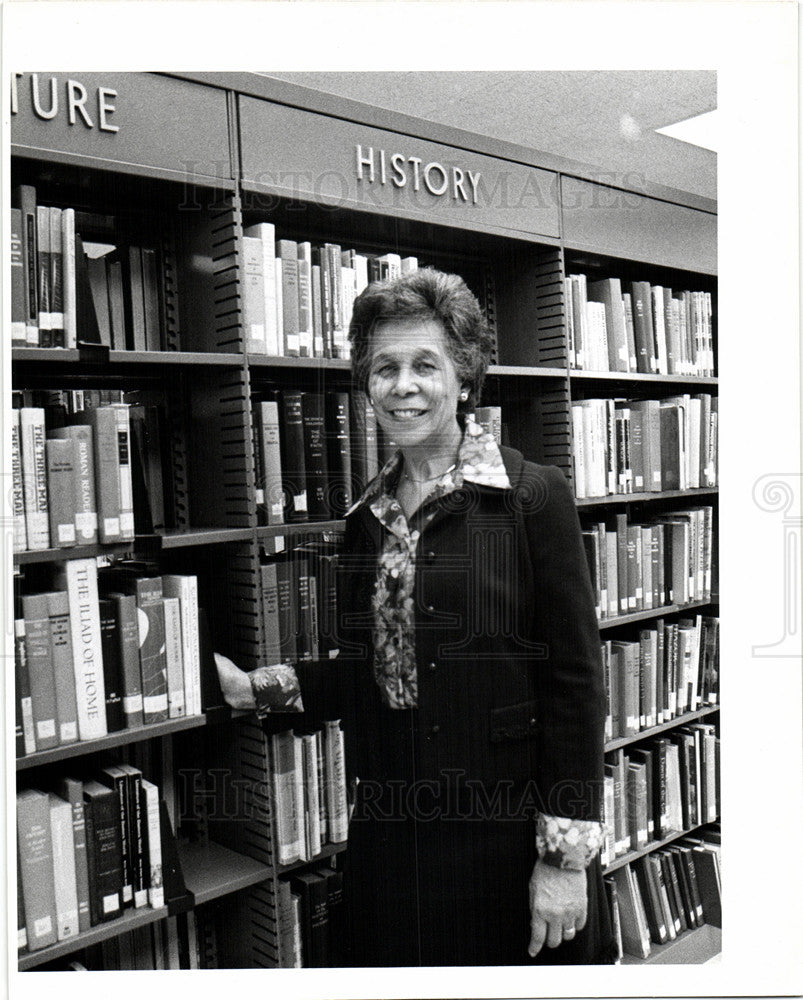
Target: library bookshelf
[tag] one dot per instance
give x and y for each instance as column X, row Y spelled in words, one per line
column 194, row 161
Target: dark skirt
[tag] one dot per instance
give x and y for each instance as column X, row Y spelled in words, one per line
column 426, row 888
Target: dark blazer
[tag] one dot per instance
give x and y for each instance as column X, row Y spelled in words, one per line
column 510, row 721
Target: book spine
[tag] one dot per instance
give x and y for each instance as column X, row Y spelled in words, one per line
column 123, row 435
column 25, row 196
column 254, row 296
column 315, row 459
column 305, row 324
column 34, row 477
column 26, row 741
column 127, row 631
column 68, row 274
column 117, row 779
column 17, row 489
column 35, row 842
column 150, row 801
column 287, row 251
column 40, row 670
column 112, row 667
column 136, row 835
column 66, row 895
column 336, row 801
column 61, row 491
column 293, row 468
column 151, row 649
column 56, row 278
column 18, row 334
column 71, row 790
column 81, row 578
column 269, row 438
column 174, row 657
column 43, row 276
column 150, row 299
column 61, row 654
column 104, row 853
column 185, row 588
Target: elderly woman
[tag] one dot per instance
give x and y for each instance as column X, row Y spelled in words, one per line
column 469, row 678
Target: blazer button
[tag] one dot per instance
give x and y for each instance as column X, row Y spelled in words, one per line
column 432, row 666
column 430, row 554
column 435, row 729
column 430, row 608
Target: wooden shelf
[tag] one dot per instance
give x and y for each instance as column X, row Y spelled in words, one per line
column 210, row 871
column 622, row 498
column 654, row 845
column 679, row 720
column 119, row 739
column 692, row 948
column 651, row 379
column 664, row 609
column 328, row 851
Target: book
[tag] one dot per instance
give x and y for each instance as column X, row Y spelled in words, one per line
column 253, row 296
column 116, row 778
column 305, row 324
column 68, row 273
column 174, row 658
column 60, row 491
column 313, row 892
column 18, row 333
column 79, row 577
column 136, row 819
column 44, row 276
column 152, row 661
column 315, row 456
column 312, row 813
column 35, row 843
column 113, row 683
column 83, row 481
column 150, row 299
column 127, row 635
column 294, row 473
column 287, row 804
column 17, row 490
column 149, row 798
column 265, row 232
column 61, row 656
column 40, row 670
column 66, row 894
column 71, row 790
column 34, row 477
column 287, row 252
column 635, row 934
column 270, row 462
column 335, row 772
column 25, row 730
column 24, row 198
column 113, row 482
column 185, row 589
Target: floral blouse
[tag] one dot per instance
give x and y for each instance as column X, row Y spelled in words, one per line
column 562, row 842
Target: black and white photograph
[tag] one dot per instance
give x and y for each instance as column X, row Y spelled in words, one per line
column 375, row 625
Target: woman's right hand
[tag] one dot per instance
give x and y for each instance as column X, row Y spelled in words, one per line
column 234, row 683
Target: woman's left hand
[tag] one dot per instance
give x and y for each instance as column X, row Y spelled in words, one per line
column 558, row 905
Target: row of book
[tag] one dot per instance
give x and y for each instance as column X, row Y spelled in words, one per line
column 665, row 786
column 299, row 602
column 648, row 329
column 310, row 907
column 670, row 891
column 315, row 452
column 644, row 445
column 636, row 567
column 87, row 665
column 72, row 485
column 298, row 298
column 65, row 290
column 308, row 785
column 672, row 669
column 86, row 852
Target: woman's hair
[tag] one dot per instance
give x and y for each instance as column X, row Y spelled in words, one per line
column 425, row 294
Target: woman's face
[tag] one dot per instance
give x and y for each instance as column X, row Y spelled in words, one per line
column 413, row 383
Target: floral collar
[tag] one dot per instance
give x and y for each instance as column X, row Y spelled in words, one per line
column 479, row 461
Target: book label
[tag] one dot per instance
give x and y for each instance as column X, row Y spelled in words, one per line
column 132, row 703
column 111, row 902
column 46, row 729
column 111, row 525
column 43, row 926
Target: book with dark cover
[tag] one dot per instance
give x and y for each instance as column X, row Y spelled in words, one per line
column 130, row 260
column 673, row 891
column 646, row 355
column 127, row 634
column 24, row 198
column 651, row 899
column 99, row 286
column 294, row 474
column 104, row 852
column 315, row 456
column 706, row 870
column 25, row 739
column 335, row 903
column 136, row 835
column 635, row 934
column 314, row 893
column 338, row 435
column 71, row 790
column 287, row 602
column 115, row 778
column 112, row 666
column 86, row 319
column 150, row 300
column 306, row 640
column 147, row 469
column 211, row 694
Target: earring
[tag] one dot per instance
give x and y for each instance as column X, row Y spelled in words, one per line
column 464, row 396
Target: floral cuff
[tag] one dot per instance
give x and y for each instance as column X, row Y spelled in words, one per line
column 275, row 689
column 567, row 843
